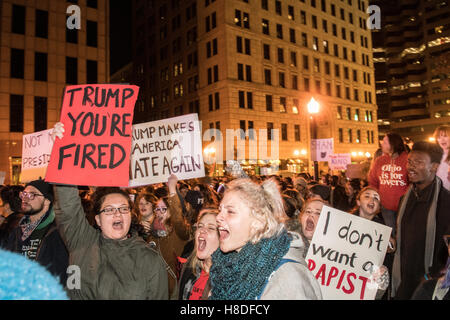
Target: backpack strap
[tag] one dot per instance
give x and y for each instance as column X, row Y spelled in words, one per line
column 283, row 261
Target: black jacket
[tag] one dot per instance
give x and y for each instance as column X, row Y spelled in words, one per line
column 413, row 239
column 51, row 252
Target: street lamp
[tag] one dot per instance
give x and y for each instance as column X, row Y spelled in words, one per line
column 313, row 108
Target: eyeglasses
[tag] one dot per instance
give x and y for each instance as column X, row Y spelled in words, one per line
column 163, row 209
column 109, row 211
column 28, row 195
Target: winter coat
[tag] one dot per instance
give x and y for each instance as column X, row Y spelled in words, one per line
column 109, row 269
column 293, row 280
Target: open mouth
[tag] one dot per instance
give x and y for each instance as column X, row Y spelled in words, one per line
column 201, row 244
column 412, row 173
column 223, row 233
column 371, row 206
column 117, row 225
column 310, row 225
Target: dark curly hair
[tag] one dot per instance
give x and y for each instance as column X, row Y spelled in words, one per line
column 10, row 195
column 98, row 197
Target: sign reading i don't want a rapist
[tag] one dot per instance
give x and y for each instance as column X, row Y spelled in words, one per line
column 95, row 149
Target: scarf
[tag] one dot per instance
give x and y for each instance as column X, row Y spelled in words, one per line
column 242, row 275
column 429, row 238
column 28, row 227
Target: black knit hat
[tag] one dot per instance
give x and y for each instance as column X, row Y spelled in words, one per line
column 45, row 188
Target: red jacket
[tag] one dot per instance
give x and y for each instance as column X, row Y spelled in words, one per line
column 390, row 177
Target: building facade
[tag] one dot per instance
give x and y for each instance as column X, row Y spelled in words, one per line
column 256, row 64
column 39, row 56
column 412, row 63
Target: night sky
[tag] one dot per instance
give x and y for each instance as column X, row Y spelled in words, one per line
column 120, row 33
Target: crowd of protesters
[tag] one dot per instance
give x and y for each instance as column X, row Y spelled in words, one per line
column 232, row 238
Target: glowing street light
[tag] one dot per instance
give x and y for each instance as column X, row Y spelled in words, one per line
column 313, row 106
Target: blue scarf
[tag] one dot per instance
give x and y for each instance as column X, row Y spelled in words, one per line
column 242, row 275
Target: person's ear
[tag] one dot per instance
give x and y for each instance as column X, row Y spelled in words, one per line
column 358, row 203
column 97, row 220
column 47, row 203
column 256, row 226
column 434, row 167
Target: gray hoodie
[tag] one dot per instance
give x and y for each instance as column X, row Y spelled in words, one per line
column 293, row 281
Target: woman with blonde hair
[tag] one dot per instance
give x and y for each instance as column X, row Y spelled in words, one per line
column 258, row 258
column 194, row 278
column 442, row 137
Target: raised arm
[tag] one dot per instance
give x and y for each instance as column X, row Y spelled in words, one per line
column 71, row 219
column 176, row 212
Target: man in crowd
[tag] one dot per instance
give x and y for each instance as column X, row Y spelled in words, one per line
column 422, row 221
column 36, row 236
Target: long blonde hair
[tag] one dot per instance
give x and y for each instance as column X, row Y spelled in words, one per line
column 265, row 204
column 194, row 262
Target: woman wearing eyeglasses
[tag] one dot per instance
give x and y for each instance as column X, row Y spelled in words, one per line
column 170, row 232
column 112, row 264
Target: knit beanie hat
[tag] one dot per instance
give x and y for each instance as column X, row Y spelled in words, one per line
column 45, row 188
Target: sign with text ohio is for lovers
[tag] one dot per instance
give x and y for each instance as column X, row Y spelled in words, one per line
column 342, row 251
column 164, row 147
column 95, row 148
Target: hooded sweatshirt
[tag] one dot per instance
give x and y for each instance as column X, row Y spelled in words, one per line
column 390, row 177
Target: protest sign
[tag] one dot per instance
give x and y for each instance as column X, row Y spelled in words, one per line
column 342, row 251
column 164, row 147
column 339, row 161
column 36, row 150
column 321, row 149
column 95, row 149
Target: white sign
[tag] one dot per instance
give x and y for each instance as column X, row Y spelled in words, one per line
column 36, row 150
column 321, row 149
column 164, row 147
column 342, row 251
column 339, row 161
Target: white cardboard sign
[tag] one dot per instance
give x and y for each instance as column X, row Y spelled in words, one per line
column 342, row 250
column 36, row 150
column 321, row 149
column 339, row 161
column 164, row 147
